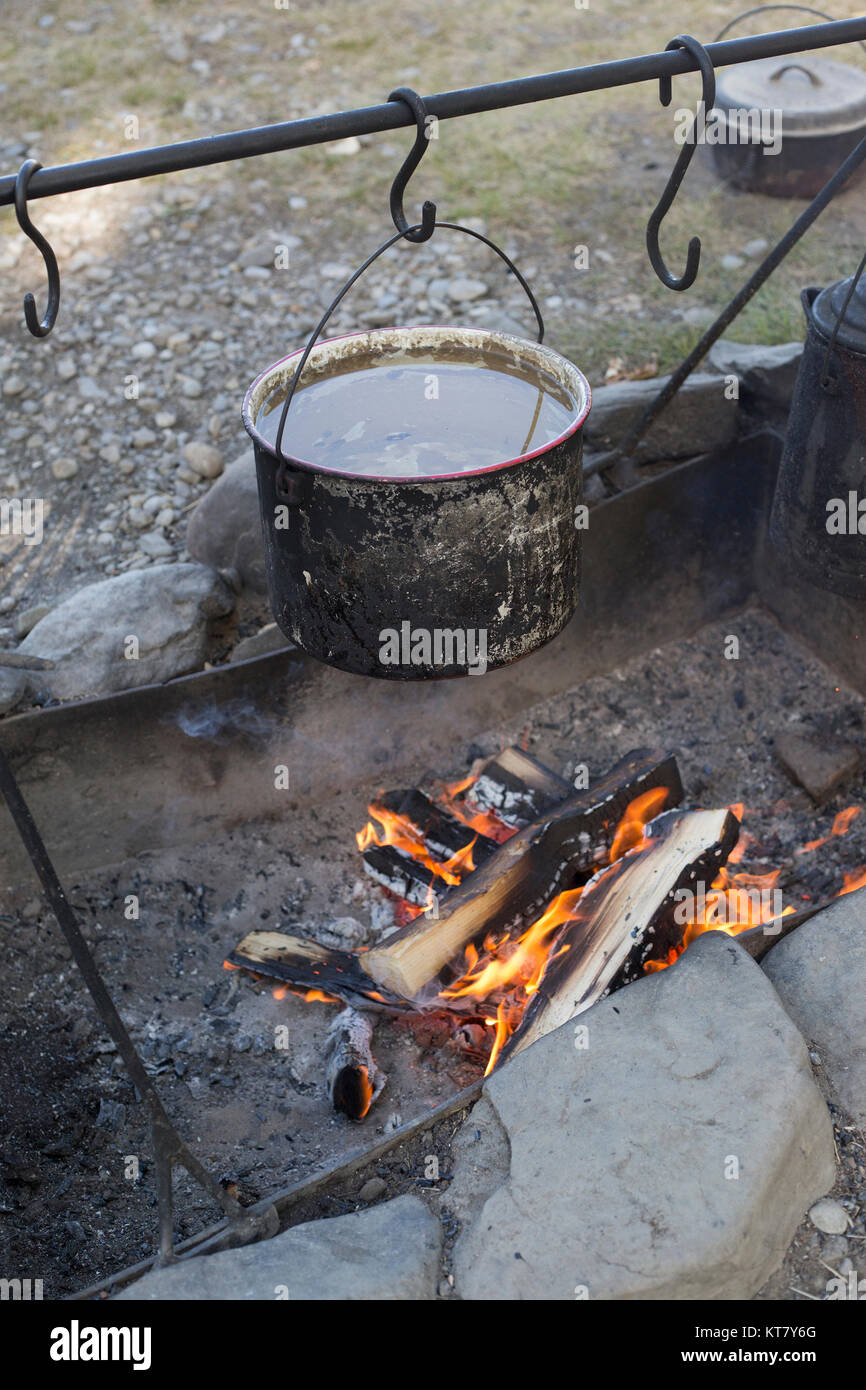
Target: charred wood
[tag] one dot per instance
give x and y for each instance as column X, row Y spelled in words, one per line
column 524, row 874
column 618, row 913
column 442, row 833
column 402, row 875
column 517, row 788
column 305, row 965
column 354, row 1080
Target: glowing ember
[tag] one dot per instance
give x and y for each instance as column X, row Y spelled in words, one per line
column 841, row 825
column 485, row 822
column 366, row 1092
column 310, row 996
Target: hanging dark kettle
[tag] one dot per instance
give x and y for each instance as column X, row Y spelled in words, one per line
column 818, row 519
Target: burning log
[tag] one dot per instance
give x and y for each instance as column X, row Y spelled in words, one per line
column 442, row 833
column 523, row 875
column 619, row 912
column 407, row 878
column 517, row 788
column 305, row 965
column 419, row 851
column 353, row 1079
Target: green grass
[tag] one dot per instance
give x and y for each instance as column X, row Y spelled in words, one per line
column 545, row 176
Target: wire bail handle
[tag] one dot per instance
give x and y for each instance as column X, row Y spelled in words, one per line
column 39, row 330
column 287, row 481
column 287, row 485
column 760, row 9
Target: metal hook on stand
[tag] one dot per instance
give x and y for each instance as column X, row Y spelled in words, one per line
column 39, row 330
column 708, row 99
column 410, row 164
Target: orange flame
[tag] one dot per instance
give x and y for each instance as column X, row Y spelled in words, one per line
column 508, row 971
column 733, row 906
column 841, row 825
column 853, row 881
column 450, row 790
column 514, row 963
column 504, row 1029
column 735, row 903
column 398, row 831
column 630, row 831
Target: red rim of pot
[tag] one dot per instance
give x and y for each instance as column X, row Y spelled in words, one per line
column 258, row 438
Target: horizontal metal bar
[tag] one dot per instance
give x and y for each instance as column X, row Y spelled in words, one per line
column 470, row 101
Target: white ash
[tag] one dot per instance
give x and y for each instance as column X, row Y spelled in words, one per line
column 347, row 932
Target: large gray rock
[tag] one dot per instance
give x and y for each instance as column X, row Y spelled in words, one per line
column 225, row 529
column 819, row 972
column 620, row 1159
column 168, row 609
column 697, row 420
column 389, row 1252
column 766, row 374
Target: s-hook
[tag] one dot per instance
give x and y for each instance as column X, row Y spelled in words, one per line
column 708, row 99
column 39, row 330
column 410, row 164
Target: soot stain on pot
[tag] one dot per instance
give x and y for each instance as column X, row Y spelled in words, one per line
column 524, row 563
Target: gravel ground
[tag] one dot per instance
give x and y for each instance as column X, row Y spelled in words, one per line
column 120, row 476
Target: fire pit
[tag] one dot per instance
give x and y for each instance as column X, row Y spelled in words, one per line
column 243, row 1066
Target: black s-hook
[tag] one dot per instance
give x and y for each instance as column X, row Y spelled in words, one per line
column 39, row 330
column 413, row 159
column 708, row 98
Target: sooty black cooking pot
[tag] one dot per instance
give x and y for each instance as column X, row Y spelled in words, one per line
column 787, row 126
column 412, row 578
column 782, row 126
column 819, row 511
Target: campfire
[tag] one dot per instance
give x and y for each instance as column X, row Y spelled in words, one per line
column 520, row 900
